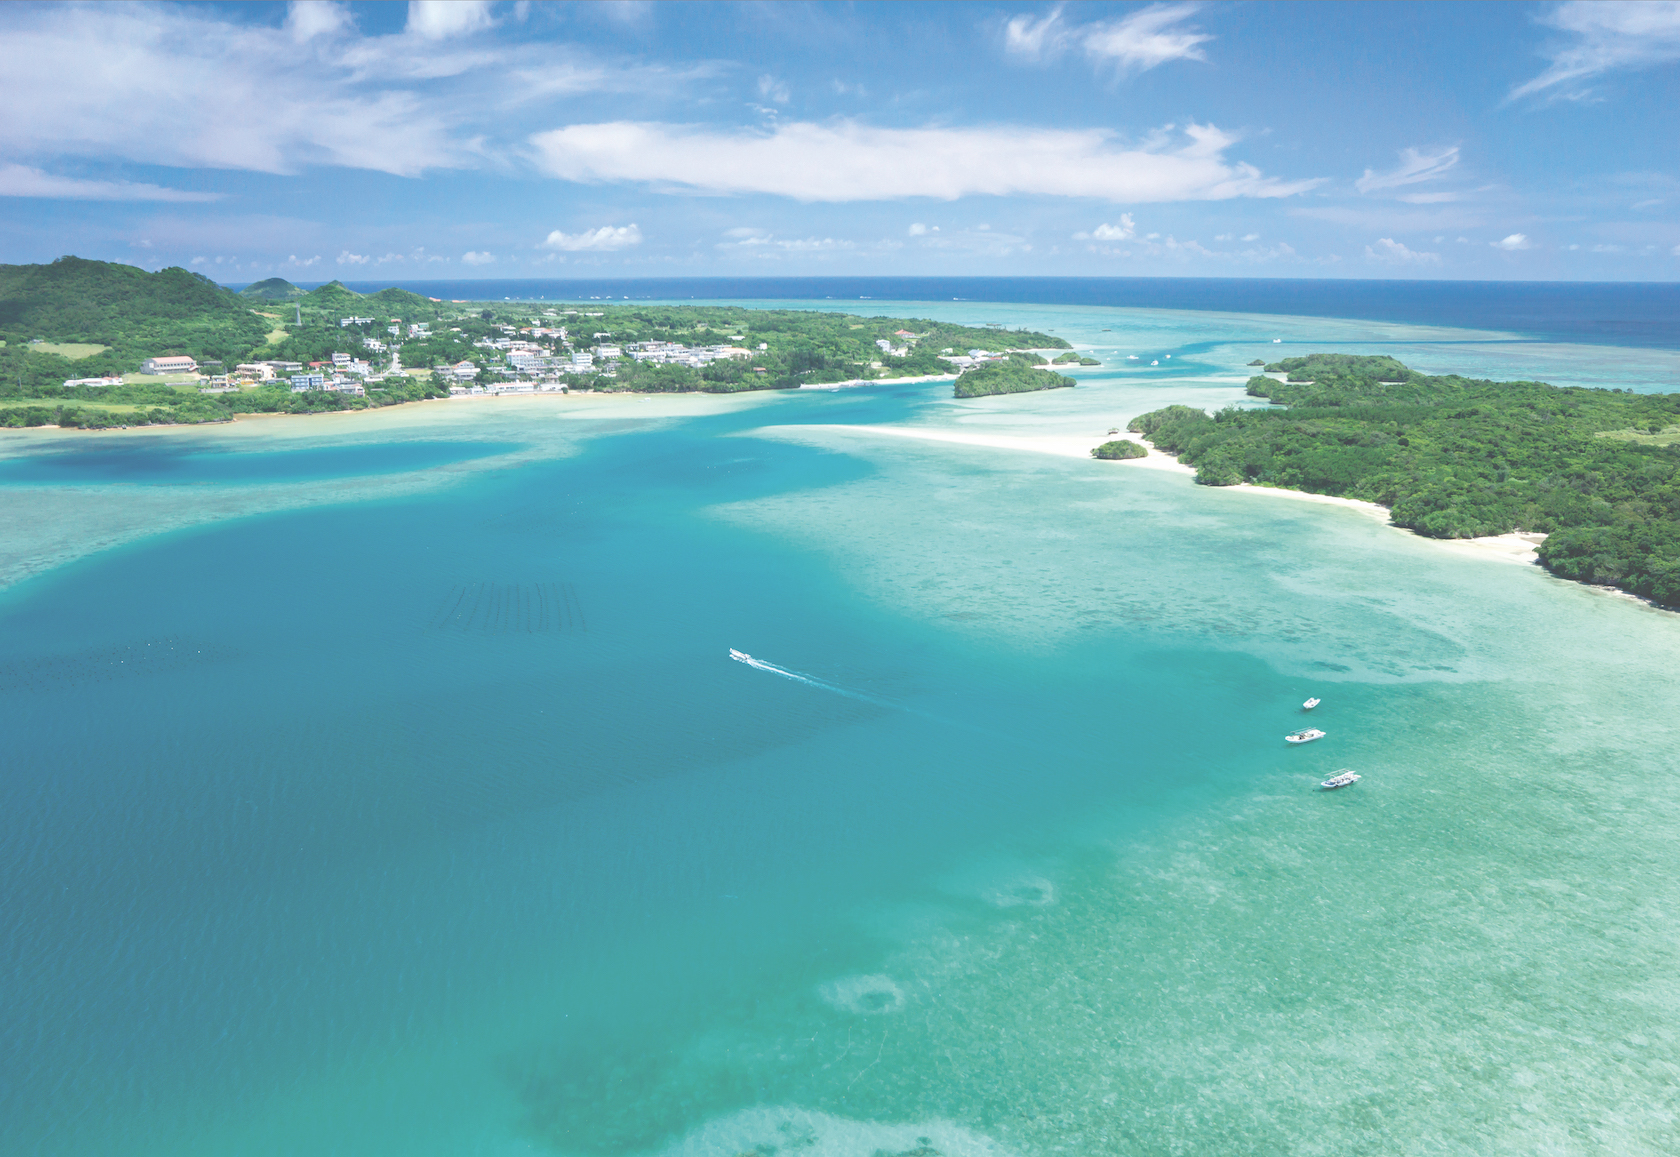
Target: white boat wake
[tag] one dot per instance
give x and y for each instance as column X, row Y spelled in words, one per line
column 809, row 680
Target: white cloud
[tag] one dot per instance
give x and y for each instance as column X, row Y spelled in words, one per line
column 1675, row 252
column 23, row 181
column 472, row 258
column 1430, row 198
column 769, row 88
column 443, row 19
column 293, row 260
column 1136, row 42
column 606, row 239
column 349, row 258
column 1251, row 237
column 1414, row 166
column 1513, row 243
column 1390, row 250
column 198, row 261
column 847, row 161
column 1106, row 232
column 307, row 19
column 1604, row 36
column 402, row 103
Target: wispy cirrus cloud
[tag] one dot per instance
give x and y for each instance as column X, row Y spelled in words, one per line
column 23, row 181
column 1415, row 166
column 1603, row 36
column 1137, row 42
column 848, row 161
column 422, row 99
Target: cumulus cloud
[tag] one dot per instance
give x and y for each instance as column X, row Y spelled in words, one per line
column 1390, row 250
column 23, row 181
column 921, row 230
column 1106, row 232
column 443, row 19
column 1136, row 42
column 1604, row 36
column 1513, row 243
column 604, row 239
column 472, row 258
column 1415, row 165
column 349, row 258
column 848, row 161
column 307, row 19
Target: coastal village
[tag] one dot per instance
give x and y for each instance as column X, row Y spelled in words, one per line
column 520, row 359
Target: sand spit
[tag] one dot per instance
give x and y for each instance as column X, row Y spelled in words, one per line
column 1517, row 547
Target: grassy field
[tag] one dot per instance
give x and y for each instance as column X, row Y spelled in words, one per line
column 54, row 403
column 71, row 350
column 190, row 380
column 1668, row 437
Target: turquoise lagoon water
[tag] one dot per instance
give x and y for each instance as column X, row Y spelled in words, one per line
column 404, row 800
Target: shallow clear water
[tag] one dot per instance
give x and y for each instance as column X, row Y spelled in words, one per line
column 179, row 461
column 428, row 815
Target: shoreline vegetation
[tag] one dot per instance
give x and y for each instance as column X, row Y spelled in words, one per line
column 74, row 335
column 1455, row 458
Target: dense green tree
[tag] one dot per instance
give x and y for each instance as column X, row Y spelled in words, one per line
column 1454, row 457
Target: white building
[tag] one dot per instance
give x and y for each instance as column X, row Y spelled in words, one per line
column 93, row 382
column 169, row 365
column 304, row 382
column 345, row 322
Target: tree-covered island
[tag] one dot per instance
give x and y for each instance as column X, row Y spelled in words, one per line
column 75, row 336
column 1015, row 373
column 1597, row 471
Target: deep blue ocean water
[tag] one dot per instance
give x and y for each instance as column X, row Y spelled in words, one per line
column 440, row 822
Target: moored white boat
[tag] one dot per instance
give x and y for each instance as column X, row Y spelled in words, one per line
column 1341, row 779
column 1310, row 704
column 1305, row 736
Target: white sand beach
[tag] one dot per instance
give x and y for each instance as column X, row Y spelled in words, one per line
column 1516, row 547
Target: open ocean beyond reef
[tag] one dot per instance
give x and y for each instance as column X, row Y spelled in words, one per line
column 380, row 786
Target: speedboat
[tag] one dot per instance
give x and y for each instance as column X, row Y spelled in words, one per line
column 739, row 656
column 1306, row 736
column 1310, row 704
column 1155, row 363
column 1341, row 779
column 1277, row 341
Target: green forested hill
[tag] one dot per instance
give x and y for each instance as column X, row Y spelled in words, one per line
column 274, row 289
column 134, row 314
column 1598, row 471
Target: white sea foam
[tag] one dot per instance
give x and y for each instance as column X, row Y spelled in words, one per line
column 864, row 995
column 760, row 1132
column 1031, row 890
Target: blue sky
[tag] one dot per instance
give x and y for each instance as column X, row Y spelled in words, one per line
column 450, row 140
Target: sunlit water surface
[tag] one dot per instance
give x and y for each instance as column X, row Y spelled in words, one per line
column 403, row 799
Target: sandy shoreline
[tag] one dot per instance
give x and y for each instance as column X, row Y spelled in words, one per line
column 1516, row 547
